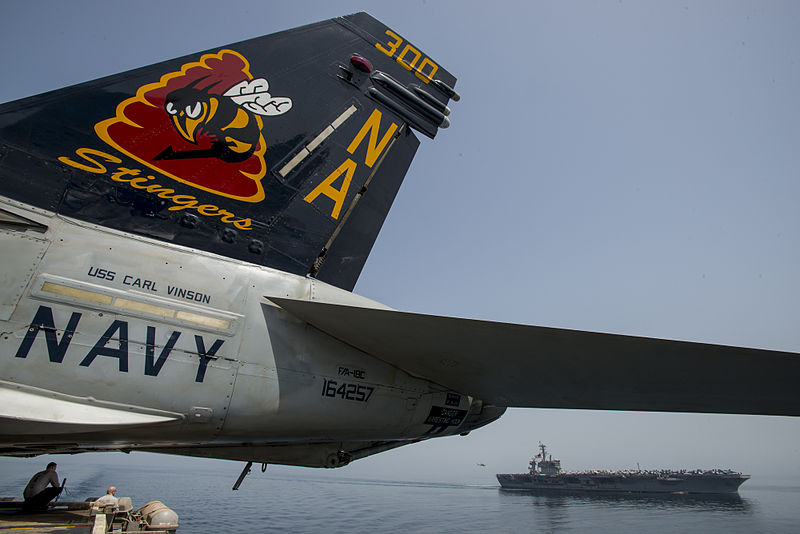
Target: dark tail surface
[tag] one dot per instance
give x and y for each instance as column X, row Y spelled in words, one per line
column 285, row 150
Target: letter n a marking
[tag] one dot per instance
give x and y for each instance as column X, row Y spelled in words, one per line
column 326, row 187
column 374, row 147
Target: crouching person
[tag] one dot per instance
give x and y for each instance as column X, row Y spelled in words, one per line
column 37, row 493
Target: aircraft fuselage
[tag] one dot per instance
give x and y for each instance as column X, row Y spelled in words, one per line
column 98, row 319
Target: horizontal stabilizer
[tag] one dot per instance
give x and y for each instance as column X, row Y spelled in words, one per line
column 531, row 366
column 27, row 412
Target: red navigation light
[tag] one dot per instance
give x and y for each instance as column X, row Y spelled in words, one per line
column 361, row 63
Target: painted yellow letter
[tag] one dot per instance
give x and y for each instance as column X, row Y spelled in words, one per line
column 374, row 148
column 337, row 195
column 86, row 153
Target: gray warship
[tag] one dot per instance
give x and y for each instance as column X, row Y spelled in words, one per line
column 545, row 475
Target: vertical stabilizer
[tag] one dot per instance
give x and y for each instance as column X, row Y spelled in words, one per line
column 285, row 151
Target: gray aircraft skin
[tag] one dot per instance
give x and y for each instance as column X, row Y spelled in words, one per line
column 139, row 312
column 291, row 393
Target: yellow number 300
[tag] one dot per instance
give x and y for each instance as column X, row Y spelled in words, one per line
column 409, row 53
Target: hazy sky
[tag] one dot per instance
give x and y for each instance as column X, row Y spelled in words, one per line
column 626, row 167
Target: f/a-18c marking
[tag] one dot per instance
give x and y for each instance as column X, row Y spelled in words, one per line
column 178, row 270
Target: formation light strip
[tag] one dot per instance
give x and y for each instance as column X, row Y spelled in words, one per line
column 80, row 294
column 306, row 150
column 135, row 305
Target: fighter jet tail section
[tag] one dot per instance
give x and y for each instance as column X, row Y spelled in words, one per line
column 148, row 218
column 284, row 151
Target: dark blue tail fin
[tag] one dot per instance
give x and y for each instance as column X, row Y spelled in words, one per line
column 285, row 150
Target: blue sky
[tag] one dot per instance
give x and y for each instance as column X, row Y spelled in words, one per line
column 626, row 167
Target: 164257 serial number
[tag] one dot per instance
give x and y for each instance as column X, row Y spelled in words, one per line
column 346, row 390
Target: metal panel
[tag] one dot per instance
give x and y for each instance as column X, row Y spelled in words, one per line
column 21, row 256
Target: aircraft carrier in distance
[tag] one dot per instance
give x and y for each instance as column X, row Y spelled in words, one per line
column 545, row 475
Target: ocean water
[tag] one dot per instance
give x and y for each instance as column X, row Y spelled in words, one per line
column 305, row 500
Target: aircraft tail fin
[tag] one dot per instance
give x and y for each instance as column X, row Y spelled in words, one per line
column 285, row 150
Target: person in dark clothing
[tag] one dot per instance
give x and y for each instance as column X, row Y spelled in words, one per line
column 37, row 493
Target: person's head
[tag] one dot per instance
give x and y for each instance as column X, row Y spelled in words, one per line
column 52, row 466
column 111, row 490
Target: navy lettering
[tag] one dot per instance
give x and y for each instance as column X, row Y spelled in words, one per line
column 152, row 368
column 100, row 348
column 117, row 331
column 205, row 357
column 43, row 320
